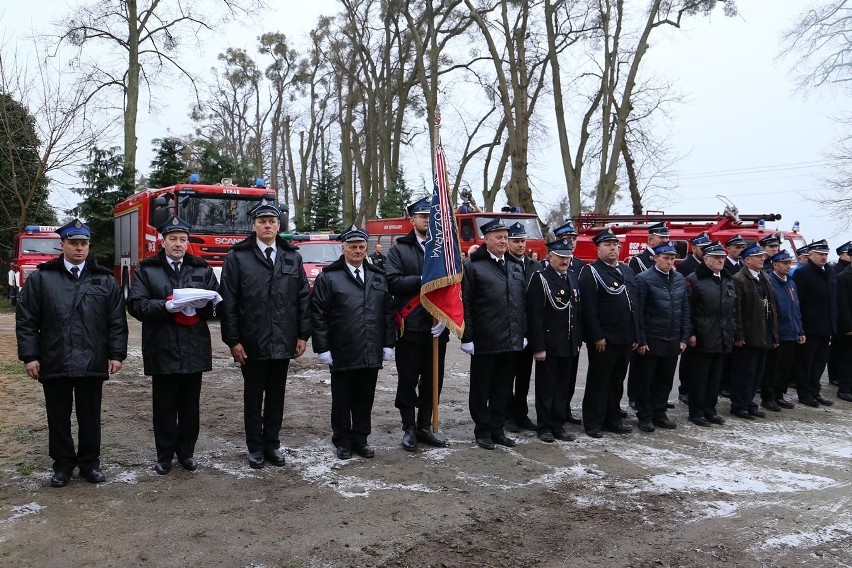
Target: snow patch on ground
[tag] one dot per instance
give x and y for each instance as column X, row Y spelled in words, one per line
column 19, row 511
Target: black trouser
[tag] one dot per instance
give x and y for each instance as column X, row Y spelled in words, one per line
column 604, row 386
column 633, row 380
column 727, row 371
column 352, row 394
column 414, row 381
column 811, row 357
column 777, row 371
column 748, row 363
column 84, row 395
column 684, row 370
column 552, row 381
column 490, row 382
column 704, row 383
column 654, row 378
column 175, row 400
column 263, row 402
column 517, row 407
column 572, row 383
column 834, row 361
column 844, row 363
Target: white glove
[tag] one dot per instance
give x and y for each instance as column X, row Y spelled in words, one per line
column 525, row 343
column 387, row 353
column 172, row 308
column 188, row 310
column 199, row 303
column 325, row 358
column 438, row 329
column 467, row 348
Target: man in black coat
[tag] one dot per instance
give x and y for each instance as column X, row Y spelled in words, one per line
column 611, row 331
column 72, row 335
column 378, row 259
column 266, row 322
column 686, row 268
column 495, row 331
column 770, row 244
column 835, row 357
column 817, row 285
column 553, row 322
column 416, row 330
column 843, row 338
column 844, row 257
column 734, row 246
column 176, row 346
column 517, row 413
column 353, row 333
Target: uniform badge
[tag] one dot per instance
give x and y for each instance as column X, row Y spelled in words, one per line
column 78, row 224
column 264, row 202
column 175, row 221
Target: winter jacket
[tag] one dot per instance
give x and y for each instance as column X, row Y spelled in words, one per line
column 789, row 315
column 665, row 308
column 750, row 323
column 642, row 261
column 168, row 347
column 530, row 267
column 609, row 311
column 553, row 313
column 72, row 326
column 817, row 298
column 688, row 265
column 493, row 298
column 351, row 321
column 713, row 304
column 264, row 308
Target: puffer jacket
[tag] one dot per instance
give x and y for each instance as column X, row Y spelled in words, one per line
column 494, row 309
column 352, row 322
column 264, row 308
column 72, row 327
column 789, row 316
column 713, row 304
column 665, row 310
column 169, row 347
column 750, row 323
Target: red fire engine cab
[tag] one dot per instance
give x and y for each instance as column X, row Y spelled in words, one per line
column 219, row 215
column 633, row 230
column 34, row 245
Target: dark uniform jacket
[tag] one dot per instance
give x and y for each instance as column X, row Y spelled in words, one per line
column 576, row 265
column 378, row 260
column 530, row 267
column 72, row 327
column 642, row 261
column 264, row 308
column 553, row 313
column 688, row 265
column 750, row 323
column 494, row 314
column 840, row 266
column 817, row 298
column 352, row 322
column 730, row 268
column 167, row 346
column 665, row 310
column 844, row 301
column 404, row 268
column 614, row 317
column 713, row 304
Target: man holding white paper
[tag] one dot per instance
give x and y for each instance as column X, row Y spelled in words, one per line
column 173, row 294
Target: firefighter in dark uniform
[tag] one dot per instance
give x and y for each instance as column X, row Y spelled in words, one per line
column 834, row 357
column 844, row 257
column 843, row 338
column 266, row 322
column 72, row 335
column 494, row 318
column 517, row 414
column 176, row 347
column 553, row 318
column 377, row 258
column 658, row 234
column 770, row 244
column 686, row 268
column 611, row 331
column 416, row 330
column 733, row 247
column 353, row 333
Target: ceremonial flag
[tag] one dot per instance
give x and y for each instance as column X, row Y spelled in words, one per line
column 440, row 285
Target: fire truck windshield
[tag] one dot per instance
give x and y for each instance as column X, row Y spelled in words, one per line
column 318, row 253
column 529, row 223
column 32, row 245
column 218, row 214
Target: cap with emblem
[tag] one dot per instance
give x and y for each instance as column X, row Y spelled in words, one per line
column 769, row 241
column 605, row 235
column 353, row 234
column 801, row 251
column 74, row 230
column 715, row 249
column 820, row 246
column 173, row 225
column 659, row 229
column 845, row 248
column 753, row 250
column 565, row 230
column 517, row 231
column 561, row 247
column 265, row 209
column 665, row 249
column 701, row 240
column 419, row 206
column 781, row 256
column 495, row 224
column 735, row 241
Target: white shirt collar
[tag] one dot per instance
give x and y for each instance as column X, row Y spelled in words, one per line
column 779, row 277
column 352, row 270
column 496, row 259
column 262, row 246
column 754, row 273
column 734, row 260
column 68, row 265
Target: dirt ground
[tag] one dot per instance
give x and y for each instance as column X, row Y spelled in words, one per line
column 775, row 492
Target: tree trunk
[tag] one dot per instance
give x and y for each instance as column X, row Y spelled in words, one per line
column 131, row 95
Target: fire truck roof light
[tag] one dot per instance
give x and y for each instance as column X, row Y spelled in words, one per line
column 194, row 178
column 259, row 182
column 39, row 229
column 761, row 225
column 796, row 227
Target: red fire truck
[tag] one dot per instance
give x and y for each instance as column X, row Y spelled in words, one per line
column 219, row 215
column 318, row 250
column 34, row 245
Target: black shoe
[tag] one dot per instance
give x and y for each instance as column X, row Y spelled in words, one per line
column 646, row 426
column 502, row 440
column 563, row 436
column 163, row 467
column 684, row 398
column 512, row 426
column 785, row 403
column 622, row 413
column 619, row 429
column 409, row 440
column 343, row 453
column 757, row 413
column 743, row 413
column 546, row 437
column 526, row 424
column 700, row 421
column 275, row 457
column 256, row 460
column 94, row 475
column 824, row 401
column 594, row 434
column 485, row 443
column 809, row 402
column 771, row 405
column 59, row 479
column 364, row 451
column 189, row 464
column 429, row 438
column 716, row 419
column 573, row 419
column 847, row 396
column 665, row 422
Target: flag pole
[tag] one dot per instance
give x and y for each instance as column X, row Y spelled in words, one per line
column 435, row 340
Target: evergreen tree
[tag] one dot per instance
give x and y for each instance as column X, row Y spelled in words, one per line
column 168, row 166
column 326, row 198
column 213, row 165
column 397, row 197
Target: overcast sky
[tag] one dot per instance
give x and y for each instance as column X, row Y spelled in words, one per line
column 743, row 130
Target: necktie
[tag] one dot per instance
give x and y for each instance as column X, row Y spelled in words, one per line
column 176, row 266
column 502, row 264
column 75, row 271
column 269, row 255
column 358, row 278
